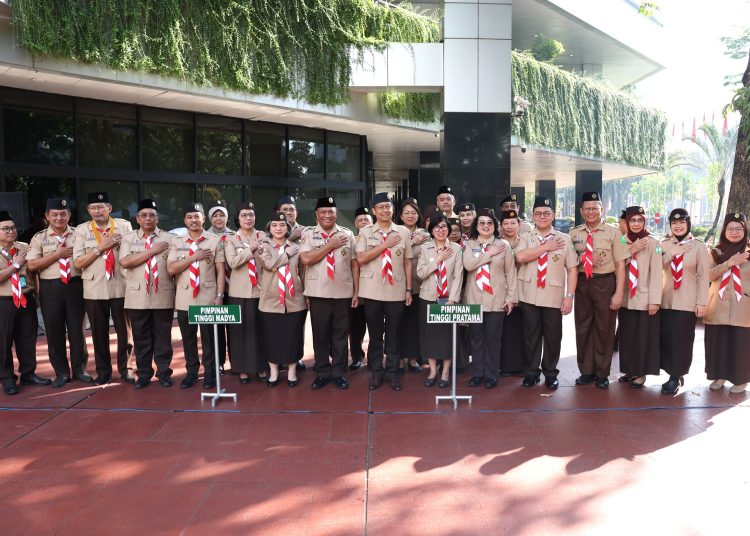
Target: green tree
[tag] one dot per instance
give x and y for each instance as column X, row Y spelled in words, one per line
column 739, row 191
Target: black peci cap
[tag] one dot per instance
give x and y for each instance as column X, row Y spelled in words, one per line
column 590, row 196
column 147, row 203
column 381, row 197
column 57, row 203
column 445, row 190
column 679, row 214
column 5, row 216
column 361, row 211
column 540, row 201
column 97, row 197
column 194, row 207
column 325, row 202
column 466, row 207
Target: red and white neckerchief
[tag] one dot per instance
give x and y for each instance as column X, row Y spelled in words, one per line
column 633, row 275
column 330, row 259
column 588, row 254
column 541, row 264
column 676, row 263
column 734, row 274
column 19, row 299
column 109, row 256
column 151, row 268
column 441, row 279
column 63, row 263
column 285, row 279
column 227, row 269
column 464, row 239
column 386, row 262
column 195, row 266
column 252, row 268
column 483, row 275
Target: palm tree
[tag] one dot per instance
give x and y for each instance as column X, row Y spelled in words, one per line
column 717, row 148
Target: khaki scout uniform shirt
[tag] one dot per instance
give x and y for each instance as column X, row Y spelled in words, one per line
column 179, row 250
column 44, row 244
column 26, row 282
column 371, row 284
column 317, row 282
column 427, row 263
column 696, row 262
column 503, row 276
column 237, row 254
column 95, row 283
column 728, row 312
column 271, row 259
column 416, row 281
column 136, row 296
column 558, row 263
column 649, row 278
column 608, row 247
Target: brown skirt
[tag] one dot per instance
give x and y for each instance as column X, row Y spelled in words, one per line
column 435, row 340
column 244, row 339
column 513, row 347
column 639, row 342
column 727, row 355
column 283, row 334
column 677, row 337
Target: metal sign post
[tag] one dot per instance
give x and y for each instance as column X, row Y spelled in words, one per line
column 440, row 313
column 215, row 314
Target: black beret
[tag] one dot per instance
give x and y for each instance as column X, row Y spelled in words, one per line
column 147, row 203
column 445, row 190
column 5, row 216
column 325, row 202
column 590, row 196
column 381, row 197
column 244, row 205
column 508, row 214
column 57, row 203
column 510, row 198
column 362, row 211
column 279, row 216
column 97, row 197
column 734, row 216
column 635, row 210
column 466, row 207
column 679, row 214
column 486, row 212
column 194, row 207
column 540, row 201
column 286, row 200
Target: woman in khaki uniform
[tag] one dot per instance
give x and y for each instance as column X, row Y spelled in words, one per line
column 241, row 253
column 727, row 319
column 513, row 349
column 282, row 302
column 638, row 317
column 491, row 282
column 440, row 268
column 684, row 297
column 411, row 218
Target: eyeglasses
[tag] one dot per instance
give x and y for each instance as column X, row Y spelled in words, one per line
column 246, row 215
column 441, row 227
column 592, row 209
column 8, row 229
column 485, row 223
column 637, row 220
column 729, row 229
column 546, row 214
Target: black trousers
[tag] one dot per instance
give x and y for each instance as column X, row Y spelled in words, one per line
column 595, row 324
column 98, row 312
column 393, row 313
column 542, row 330
column 18, row 328
column 357, row 329
column 152, row 337
column 63, row 311
column 329, row 319
column 189, row 334
column 486, row 340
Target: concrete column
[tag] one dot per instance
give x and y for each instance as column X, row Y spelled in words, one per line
column 586, row 181
column 546, row 188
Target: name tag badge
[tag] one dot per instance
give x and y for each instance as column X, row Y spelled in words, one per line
column 23, row 281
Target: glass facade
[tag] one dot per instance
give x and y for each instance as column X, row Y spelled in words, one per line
column 55, row 145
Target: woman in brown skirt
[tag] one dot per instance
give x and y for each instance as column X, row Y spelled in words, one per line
column 282, row 303
column 638, row 317
column 684, row 297
column 441, row 270
column 241, row 251
column 727, row 319
column 411, row 218
column 513, row 349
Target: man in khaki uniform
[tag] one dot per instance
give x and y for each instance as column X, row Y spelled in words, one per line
column 331, row 286
column 510, row 202
column 149, row 295
column 601, row 282
column 385, row 270
column 18, row 322
column 446, row 201
column 60, row 293
column 96, row 252
column 547, row 261
column 197, row 263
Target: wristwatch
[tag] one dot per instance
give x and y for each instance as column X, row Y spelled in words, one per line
column 16, row 266
column 410, row 290
column 96, row 250
column 570, row 295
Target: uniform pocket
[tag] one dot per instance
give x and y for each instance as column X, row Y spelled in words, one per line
column 135, row 285
column 366, row 275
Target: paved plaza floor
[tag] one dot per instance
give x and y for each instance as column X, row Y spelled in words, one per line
column 111, row 460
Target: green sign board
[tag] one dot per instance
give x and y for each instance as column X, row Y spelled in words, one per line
column 214, row 314
column 463, row 313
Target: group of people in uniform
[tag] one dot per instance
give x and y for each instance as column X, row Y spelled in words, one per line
column 526, row 278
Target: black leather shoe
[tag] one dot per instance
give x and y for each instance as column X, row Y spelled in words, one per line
column 395, row 384
column 585, row 379
column 320, row 382
column 165, row 381
column 443, row 383
column 301, row 365
column 59, row 381
column 375, row 383
column 209, row 382
column 272, row 383
column 102, row 380
column 84, row 377
column 414, row 368
column 341, row 383
column 625, row 378
column 551, row 382
column 292, row 383
column 142, row 383
column 245, row 380
column 490, row 383
column 671, row 387
column 475, row 381
column 356, row 365
column 637, row 385
column 10, row 388
column 34, row 379
column 263, row 378
column 602, row 383
column 188, row 381
column 530, row 380
column 429, row 382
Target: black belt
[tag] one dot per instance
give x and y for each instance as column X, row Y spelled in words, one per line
column 75, row 278
column 595, row 276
